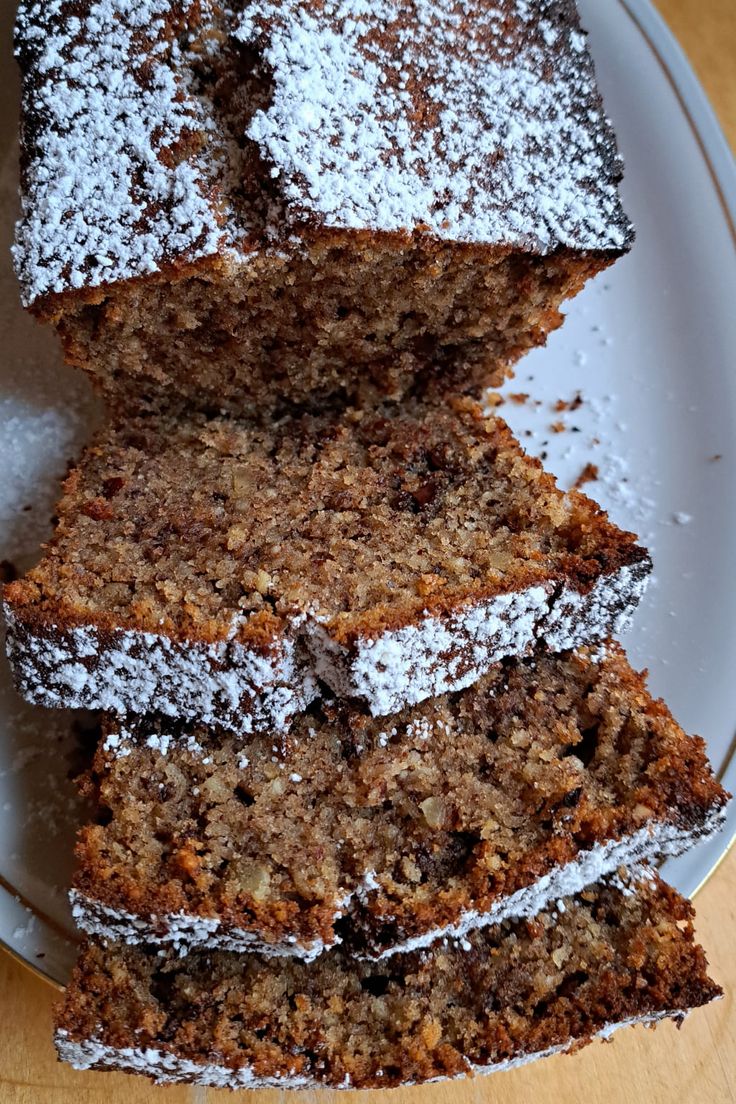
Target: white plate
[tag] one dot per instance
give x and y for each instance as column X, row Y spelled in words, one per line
column 650, row 346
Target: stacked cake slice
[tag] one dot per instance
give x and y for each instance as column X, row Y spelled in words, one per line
column 615, row 955
column 376, row 788
column 269, row 898
column 386, row 834
column 215, row 568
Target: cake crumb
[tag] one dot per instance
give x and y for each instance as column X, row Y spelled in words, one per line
column 588, row 475
column 8, row 571
column 573, row 404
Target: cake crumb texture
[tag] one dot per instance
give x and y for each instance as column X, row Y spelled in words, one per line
column 533, row 987
column 383, row 832
column 394, row 553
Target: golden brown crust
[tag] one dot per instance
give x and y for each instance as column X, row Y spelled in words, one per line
column 453, row 805
column 514, row 990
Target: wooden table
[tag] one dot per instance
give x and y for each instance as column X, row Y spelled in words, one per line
column 640, row 1067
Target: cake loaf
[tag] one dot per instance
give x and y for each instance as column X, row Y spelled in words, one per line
column 284, row 201
column 215, row 568
column 506, row 996
column 386, row 835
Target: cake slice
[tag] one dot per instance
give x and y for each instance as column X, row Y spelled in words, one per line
column 504, row 997
column 389, row 834
column 214, row 569
column 284, row 202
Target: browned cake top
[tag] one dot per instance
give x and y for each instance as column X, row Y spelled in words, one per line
column 220, row 528
column 174, row 119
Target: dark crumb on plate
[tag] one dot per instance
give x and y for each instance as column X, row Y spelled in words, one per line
column 588, row 475
column 8, row 571
column 573, row 403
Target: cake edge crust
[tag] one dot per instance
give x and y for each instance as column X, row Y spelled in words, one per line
column 164, row 1067
column 186, row 931
column 226, row 683
column 440, row 655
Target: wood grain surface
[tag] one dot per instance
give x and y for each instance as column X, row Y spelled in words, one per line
column 696, row 1065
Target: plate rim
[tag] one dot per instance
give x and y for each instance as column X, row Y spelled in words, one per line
column 720, row 160
column 721, row 164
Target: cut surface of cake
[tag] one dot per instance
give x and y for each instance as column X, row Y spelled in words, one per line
column 506, row 996
column 215, row 568
column 284, row 201
column 387, row 834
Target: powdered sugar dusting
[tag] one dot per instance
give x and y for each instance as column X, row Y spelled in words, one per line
column 106, row 194
column 245, row 691
column 224, row 683
column 183, row 932
column 436, row 656
column 600, row 606
column 470, row 122
column 476, row 122
column 655, row 840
